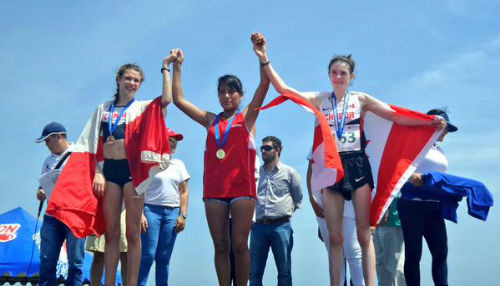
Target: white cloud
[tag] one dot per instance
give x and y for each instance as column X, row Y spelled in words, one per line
column 464, row 70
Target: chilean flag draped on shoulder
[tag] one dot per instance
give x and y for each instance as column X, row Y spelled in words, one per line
column 146, row 142
column 394, row 152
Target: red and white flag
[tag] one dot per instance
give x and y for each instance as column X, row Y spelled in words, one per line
column 146, row 141
column 326, row 164
column 394, row 152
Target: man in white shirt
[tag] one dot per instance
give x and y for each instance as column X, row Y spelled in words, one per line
column 54, row 232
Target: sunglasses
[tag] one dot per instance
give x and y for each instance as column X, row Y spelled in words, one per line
column 266, row 148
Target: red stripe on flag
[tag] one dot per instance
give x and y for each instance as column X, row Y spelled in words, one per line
column 73, row 201
column 136, row 141
column 403, row 146
column 321, row 135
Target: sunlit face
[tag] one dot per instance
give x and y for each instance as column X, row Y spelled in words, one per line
column 129, row 82
column 229, row 98
column 340, row 74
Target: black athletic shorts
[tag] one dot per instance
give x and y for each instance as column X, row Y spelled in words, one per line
column 357, row 172
column 117, row 171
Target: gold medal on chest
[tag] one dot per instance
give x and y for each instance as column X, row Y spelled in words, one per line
column 220, row 154
column 110, row 140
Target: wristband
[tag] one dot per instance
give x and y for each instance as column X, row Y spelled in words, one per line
column 164, row 68
column 265, row 63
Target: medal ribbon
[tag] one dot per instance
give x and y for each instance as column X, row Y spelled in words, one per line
column 339, row 129
column 112, row 127
column 226, row 133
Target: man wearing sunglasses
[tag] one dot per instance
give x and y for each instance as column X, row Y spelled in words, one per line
column 278, row 195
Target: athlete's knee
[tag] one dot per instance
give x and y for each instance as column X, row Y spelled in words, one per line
column 336, row 239
column 133, row 235
column 221, row 246
column 112, row 233
column 240, row 246
column 364, row 238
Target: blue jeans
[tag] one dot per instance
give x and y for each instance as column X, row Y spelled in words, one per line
column 52, row 235
column 158, row 242
column 279, row 237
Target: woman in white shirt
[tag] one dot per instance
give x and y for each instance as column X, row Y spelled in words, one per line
column 165, row 213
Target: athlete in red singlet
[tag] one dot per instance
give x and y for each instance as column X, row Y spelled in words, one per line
column 229, row 179
column 234, row 175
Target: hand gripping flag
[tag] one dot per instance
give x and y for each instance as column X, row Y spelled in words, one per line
column 146, row 142
column 394, row 152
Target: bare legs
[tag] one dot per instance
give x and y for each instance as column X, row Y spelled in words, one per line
column 113, row 201
column 362, row 202
column 218, row 222
column 334, row 208
column 242, row 212
column 134, row 205
column 334, row 213
column 123, row 267
column 97, row 268
column 113, row 198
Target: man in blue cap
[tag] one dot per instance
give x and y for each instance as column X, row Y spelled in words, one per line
column 54, row 232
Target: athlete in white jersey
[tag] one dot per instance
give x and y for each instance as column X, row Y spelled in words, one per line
column 357, row 180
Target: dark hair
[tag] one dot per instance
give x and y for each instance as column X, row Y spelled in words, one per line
column 275, row 140
column 443, row 112
column 438, row 111
column 122, row 70
column 343, row 58
column 230, row 81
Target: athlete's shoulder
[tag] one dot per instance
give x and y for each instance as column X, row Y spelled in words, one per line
column 359, row 93
column 315, row 95
column 105, row 105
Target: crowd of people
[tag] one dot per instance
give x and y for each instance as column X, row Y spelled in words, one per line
column 243, row 201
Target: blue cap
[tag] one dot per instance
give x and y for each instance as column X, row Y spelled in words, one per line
column 442, row 113
column 49, row 129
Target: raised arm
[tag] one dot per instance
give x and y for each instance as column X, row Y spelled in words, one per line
column 369, row 103
column 260, row 49
column 166, row 91
column 203, row 117
column 252, row 111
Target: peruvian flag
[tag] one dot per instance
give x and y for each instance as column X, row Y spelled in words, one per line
column 146, row 142
column 394, row 152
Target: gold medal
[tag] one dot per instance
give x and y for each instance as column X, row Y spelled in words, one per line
column 220, row 154
column 110, row 140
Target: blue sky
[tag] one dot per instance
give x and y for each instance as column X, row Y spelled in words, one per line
column 59, row 58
